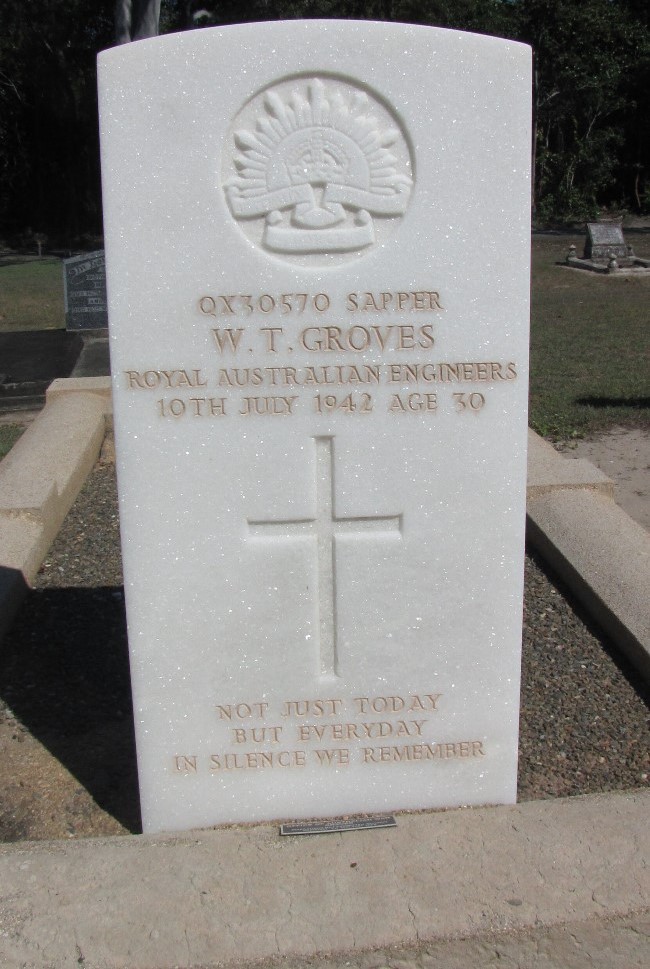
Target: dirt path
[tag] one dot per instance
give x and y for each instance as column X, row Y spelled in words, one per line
column 623, row 454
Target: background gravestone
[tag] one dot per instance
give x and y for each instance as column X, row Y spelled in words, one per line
column 84, row 289
column 604, row 239
column 317, row 239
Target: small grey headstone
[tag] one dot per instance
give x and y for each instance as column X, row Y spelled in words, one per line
column 604, row 239
column 84, row 288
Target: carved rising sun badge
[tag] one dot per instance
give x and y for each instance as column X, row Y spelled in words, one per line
column 321, row 164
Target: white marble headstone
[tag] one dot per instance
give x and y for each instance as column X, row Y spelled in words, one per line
column 317, row 241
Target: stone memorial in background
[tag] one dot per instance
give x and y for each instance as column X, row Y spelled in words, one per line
column 84, row 291
column 317, row 241
column 606, row 251
column 604, row 240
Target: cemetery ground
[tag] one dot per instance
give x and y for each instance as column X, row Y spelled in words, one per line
column 590, row 344
column 31, row 292
column 67, row 754
column 68, row 761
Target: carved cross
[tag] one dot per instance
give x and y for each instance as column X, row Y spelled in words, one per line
column 325, row 527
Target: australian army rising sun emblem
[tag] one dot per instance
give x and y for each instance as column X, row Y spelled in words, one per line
column 320, row 168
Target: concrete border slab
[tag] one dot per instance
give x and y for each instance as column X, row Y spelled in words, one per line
column 237, row 895
column 596, row 548
column 604, row 557
column 548, row 471
column 41, row 477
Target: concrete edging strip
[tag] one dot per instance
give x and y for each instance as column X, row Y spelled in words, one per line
column 240, row 894
column 41, row 477
column 593, row 545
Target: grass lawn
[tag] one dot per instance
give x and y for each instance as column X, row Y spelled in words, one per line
column 31, row 294
column 9, row 434
column 590, row 345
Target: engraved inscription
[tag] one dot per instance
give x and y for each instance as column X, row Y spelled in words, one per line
column 258, row 760
column 345, row 326
column 467, row 748
column 240, row 304
column 243, row 711
column 277, row 390
column 317, row 167
column 332, row 733
column 186, row 764
column 325, row 527
column 164, row 379
column 313, row 708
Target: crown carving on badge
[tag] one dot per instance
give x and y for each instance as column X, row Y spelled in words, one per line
column 318, row 167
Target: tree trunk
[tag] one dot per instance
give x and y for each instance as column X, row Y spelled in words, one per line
column 136, row 20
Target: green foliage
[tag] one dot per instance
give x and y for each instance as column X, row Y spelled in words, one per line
column 31, row 295
column 9, row 434
column 49, row 161
column 591, row 104
column 587, row 62
column 592, row 74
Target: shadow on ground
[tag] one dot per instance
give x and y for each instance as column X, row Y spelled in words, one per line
column 64, row 674
column 640, row 403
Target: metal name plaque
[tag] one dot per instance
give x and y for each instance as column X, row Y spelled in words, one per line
column 335, row 826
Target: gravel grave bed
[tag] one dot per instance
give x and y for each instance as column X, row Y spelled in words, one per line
column 67, row 749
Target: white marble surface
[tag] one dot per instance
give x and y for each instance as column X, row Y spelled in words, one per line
column 323, row 554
